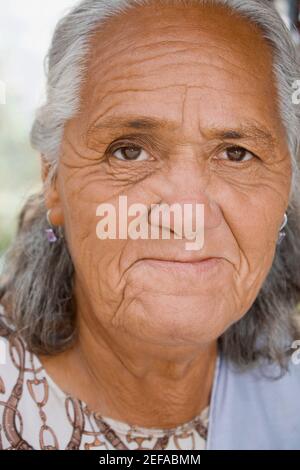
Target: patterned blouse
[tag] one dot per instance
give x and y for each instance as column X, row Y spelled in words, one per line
column 36, row 414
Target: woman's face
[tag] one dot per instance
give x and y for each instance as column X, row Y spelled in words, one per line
column 206, row 78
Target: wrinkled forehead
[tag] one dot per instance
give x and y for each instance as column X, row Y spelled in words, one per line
column 139, row 58
column 212, row 30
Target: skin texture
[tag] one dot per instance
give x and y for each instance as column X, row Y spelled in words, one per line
column 146, row 347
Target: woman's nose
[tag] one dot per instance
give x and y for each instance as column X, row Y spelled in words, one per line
column 186, row 205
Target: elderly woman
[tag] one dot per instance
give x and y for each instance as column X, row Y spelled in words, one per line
column 138, row 343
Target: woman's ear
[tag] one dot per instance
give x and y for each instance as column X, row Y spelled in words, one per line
column 51, row 194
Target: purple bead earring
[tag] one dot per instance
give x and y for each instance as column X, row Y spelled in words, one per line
column 51, row 237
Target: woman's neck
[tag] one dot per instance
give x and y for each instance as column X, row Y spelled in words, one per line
column 142, row 384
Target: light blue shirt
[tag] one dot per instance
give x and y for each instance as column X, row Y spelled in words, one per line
column 251, row 411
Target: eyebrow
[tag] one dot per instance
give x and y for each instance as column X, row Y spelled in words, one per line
column 143, row 122
column 248, row 131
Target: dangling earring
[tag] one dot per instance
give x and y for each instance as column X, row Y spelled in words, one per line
column 51, row 236
column 282, row 233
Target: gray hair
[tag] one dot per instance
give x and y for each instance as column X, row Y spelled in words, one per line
column 38, row 277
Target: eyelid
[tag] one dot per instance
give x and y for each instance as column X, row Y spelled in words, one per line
column 135, row 160
column 227, row 146
column 134, row 141
column 158, row 148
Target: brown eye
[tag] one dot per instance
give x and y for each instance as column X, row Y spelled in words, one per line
column 237, row 154
column 131, row 153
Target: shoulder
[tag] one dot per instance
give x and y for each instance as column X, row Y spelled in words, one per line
column 12, row 355
column 259, row 406
column 14, row 361
column 266, row 384
column 34, row 414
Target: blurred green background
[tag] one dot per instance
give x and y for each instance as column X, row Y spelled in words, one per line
column 19, row 168
column 26, row 28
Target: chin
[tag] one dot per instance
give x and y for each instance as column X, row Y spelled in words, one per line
column 173, row 320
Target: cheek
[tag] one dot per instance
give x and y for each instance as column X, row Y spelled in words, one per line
column 93, row 258
column 253, row 213
column 256, row 237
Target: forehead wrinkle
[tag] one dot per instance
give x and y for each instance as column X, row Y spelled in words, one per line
column 247, row 131
column 203, row 19
column 212, row 56
column 136, row 122
column 127, row 29
column 108, row 94
column 175, row 47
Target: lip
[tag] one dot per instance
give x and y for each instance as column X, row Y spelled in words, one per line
column 185, row 266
